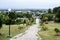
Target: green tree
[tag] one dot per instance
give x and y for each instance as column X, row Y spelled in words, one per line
column 0, row 24
column 55, row 9
column 57, row 17
column 12, row 15
column 49, row 11
column 58, row 13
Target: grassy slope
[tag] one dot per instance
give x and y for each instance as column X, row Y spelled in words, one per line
column 14, row 31
column 50, row 34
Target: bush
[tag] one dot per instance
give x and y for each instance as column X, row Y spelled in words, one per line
column 57, row 31
column 43, row 26
column 18, row 21
column 41, row 23
column 57, row 16
column 46, row 18
column 24, row 21
column 49, row 17
column 20, row 27
column 0, row 23
column 57, row 19
column 28, row 23
column 7, row 22
column 32, row 20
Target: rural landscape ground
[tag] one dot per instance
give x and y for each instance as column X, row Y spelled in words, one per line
column 29, row 19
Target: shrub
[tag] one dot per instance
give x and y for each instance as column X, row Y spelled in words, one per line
column 46, row 18
column 32, row 20
column 8, row 22
column 41, row 23
column 24, row 21
column 57, row 31
column 20, row 27
column 44, row 27
column 57, row 19
column 0, row 23
column 27, row 23
column 49, row 17
column 18, row 21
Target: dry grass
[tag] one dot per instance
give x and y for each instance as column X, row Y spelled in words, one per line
column 50, row 33
column 14, row 31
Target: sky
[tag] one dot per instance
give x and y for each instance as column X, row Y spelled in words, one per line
column 29, row 4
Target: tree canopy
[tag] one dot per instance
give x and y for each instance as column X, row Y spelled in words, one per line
column 49, row 11
column 55, row 9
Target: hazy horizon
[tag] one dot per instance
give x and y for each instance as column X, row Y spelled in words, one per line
column 29, row 4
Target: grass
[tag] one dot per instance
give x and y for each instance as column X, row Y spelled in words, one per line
column 14, row 31
column 50, row 33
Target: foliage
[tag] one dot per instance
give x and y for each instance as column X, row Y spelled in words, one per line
column 55, row 9
column 24, row 21
column 32, row 20
column 28, row 23
column 49, row 11
column 57, row 31
column 49, row 16
column 44, row 27
column 57, row 17
column 1, row 20
column 41, row 23
column 46, row 18
column 20, row 27
column 28, row 15
column 18, row 21
column 11, row 18
column 22, row 15
column 58, row 13
column 50, row 33
column 12, row 15
column 0, row 23
column 8, row 22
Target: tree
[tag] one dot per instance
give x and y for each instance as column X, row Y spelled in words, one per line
column 57, row 17
column 12, row 15
column 57, row 31
column 49, row 16
column 58, row 13
column 0, row 24
column 55, row 9
column 1, row 20
column 49, row 11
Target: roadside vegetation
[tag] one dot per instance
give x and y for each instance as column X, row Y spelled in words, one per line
column 18, row 23
column 50, row 33
column 50, row 25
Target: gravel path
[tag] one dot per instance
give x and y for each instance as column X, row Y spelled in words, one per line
column 30, row 34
